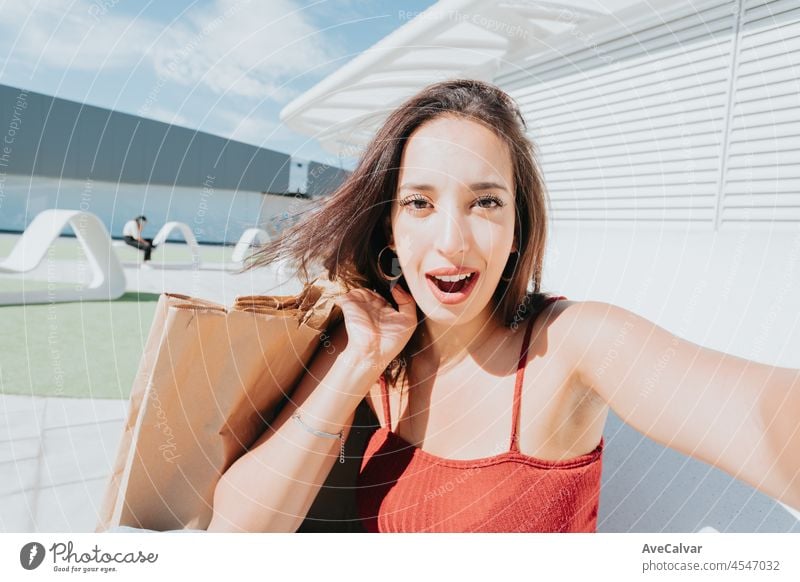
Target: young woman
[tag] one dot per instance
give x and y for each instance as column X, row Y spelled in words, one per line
column 492, row 397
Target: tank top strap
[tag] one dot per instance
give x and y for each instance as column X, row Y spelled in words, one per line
column 387, row 417
column 523, row 359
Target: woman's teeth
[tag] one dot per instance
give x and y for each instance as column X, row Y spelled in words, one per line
column 452, row 278
column 451, row 283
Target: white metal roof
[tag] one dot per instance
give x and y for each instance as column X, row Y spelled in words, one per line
column 453, row 38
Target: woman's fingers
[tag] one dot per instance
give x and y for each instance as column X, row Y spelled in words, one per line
column 364, row 297
column 405, row 302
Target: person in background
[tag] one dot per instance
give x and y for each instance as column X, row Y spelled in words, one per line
column 132, row 234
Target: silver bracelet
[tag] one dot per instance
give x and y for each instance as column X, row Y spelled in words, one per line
column 321, row 433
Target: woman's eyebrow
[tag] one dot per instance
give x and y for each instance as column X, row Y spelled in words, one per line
column 473, row 187
column 410, row 186
column 487, row 186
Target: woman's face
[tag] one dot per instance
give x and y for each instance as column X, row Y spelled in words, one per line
column 454, row 209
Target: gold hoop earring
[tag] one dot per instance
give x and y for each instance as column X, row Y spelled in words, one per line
column 507, row 280
column 380, row 271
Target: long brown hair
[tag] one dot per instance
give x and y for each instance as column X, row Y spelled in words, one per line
column 341, row 235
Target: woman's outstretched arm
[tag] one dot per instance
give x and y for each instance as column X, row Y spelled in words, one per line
column 739, row 415
column 271, row 487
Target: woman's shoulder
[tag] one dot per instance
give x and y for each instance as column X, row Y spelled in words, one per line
column 565, row 328
column 554, row 305
column 571, row 312
column 556, row 321
column 557, row 311
column 562, row 332
column 545, row 306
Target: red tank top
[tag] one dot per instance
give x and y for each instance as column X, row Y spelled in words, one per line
column 402, row 488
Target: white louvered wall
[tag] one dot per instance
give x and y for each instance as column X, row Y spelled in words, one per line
column 688, row 119
column 762, row 178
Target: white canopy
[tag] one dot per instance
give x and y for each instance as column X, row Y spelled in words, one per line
column 453, row 38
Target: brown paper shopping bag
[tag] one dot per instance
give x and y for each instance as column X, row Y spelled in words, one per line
column 209, row 381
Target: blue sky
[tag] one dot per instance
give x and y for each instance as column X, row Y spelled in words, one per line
column 222, row 66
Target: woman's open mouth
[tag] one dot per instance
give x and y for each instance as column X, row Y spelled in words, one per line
column 452, row 289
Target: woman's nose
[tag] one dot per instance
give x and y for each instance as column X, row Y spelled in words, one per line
column 451, row 236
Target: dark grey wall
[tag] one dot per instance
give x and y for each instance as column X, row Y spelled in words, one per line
column 323, row 179
column 54, row 137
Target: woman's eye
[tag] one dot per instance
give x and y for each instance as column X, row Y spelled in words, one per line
column 488, row 200
column 414, row 202
column 417, row 203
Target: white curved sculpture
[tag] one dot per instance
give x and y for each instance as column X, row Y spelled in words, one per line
column 108, row 279
column 282, row 267
column 188, row 236
column 250, row 236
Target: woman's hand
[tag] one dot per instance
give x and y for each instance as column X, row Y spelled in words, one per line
column 376, row 331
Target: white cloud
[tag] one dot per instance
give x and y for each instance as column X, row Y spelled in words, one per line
column 246, row 48
column 72, row 35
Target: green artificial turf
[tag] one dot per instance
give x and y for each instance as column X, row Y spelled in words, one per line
column 85, row 349
column 8, row 284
